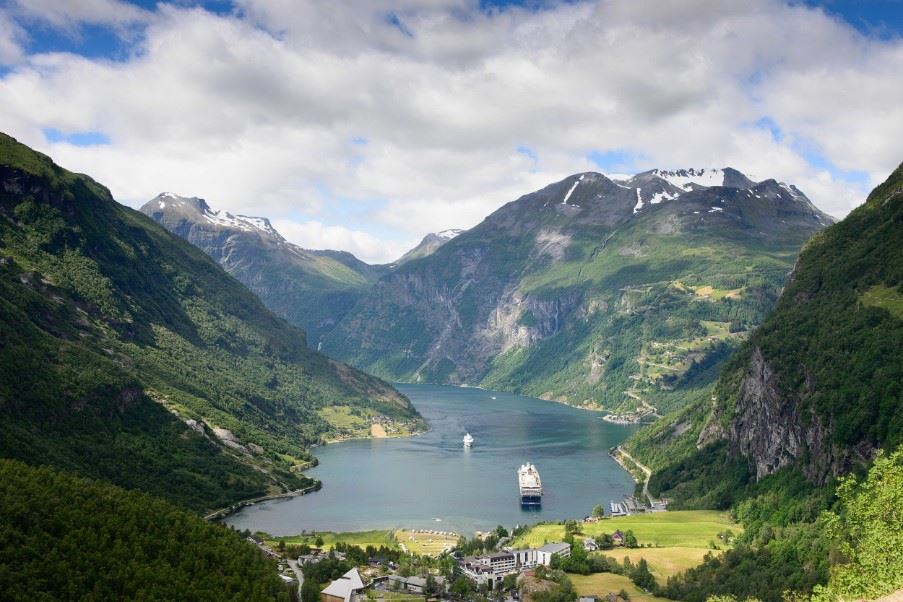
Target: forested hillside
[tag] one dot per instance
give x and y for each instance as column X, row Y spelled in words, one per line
column 127, row 354
column 64, row 537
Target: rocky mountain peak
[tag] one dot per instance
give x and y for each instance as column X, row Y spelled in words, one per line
column 171, row 207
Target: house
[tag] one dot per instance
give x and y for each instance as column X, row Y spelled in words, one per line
column 415, row 585
column 617, row 538
column 589, row 544
column 343, row 588
column 545, row 553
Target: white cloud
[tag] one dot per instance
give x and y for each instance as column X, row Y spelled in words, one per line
column 316, row 235
column 12, row 36
column 259, row 111
column 69, row 14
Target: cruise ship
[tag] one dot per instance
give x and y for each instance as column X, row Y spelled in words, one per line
column 530, row 485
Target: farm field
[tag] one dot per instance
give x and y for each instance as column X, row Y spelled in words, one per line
column 330, row 539
column 682, row 528
column 601, row 584
column 663, row 562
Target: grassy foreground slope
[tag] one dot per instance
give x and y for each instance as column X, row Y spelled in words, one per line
column 69, row 538
column 128, row 355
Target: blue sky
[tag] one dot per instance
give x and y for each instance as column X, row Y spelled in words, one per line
column 365, row 124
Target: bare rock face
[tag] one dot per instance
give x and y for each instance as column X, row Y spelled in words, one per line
column 773, row 429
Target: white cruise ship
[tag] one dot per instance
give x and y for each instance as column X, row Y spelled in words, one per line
column 530, row 485
column 468, row 440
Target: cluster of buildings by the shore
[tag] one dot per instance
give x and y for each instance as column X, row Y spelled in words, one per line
column 631, row 505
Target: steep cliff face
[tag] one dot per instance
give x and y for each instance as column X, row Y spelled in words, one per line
column 590, row 291
column 774, row 430
column 819, row 386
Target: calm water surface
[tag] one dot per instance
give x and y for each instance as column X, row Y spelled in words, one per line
column 431, row 481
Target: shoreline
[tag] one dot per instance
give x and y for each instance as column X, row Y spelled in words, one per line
column 227, row 511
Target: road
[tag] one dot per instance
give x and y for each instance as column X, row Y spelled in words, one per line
column 293, row 564
column 645, row 469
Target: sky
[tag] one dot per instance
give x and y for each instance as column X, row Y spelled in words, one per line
column 362, row 125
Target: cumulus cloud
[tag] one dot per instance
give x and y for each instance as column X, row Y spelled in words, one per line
column 317, row 235
column 417, row 116
column 70, row 15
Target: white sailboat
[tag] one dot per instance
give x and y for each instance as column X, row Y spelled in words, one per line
column 468, row 440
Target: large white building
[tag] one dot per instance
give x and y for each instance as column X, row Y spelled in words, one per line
column 494, row 567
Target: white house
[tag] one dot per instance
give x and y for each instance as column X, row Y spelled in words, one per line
column 343, row 588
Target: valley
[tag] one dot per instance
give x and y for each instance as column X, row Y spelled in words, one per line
column 685, row 384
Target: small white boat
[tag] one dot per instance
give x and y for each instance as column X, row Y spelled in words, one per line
column 468, row 440
column 493, row 397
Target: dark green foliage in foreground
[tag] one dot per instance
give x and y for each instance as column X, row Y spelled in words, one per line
column 106, row 319
column 68, row 538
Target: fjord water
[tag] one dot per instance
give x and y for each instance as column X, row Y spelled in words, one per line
column 432, row 481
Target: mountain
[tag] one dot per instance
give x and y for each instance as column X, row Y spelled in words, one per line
column 71, row 538
column 310, row 289
column 624, row 294
column 818, row 388
column 812, row 399
column 127, row 354
column 428, row 245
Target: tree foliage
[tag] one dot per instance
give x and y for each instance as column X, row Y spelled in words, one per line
column 69, row 538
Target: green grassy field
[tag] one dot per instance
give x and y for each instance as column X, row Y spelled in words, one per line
column 882, row 296
column 663, row 562
column 330, row 539
column 686, row 529
column 341, row 417
column 601, row 584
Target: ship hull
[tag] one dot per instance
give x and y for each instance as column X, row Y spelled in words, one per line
column 531, row 500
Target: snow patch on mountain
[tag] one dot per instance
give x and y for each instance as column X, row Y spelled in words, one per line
column 658, row 197
column 688, row 178
column 571, row 191
column 639, row 201
column 449, row 234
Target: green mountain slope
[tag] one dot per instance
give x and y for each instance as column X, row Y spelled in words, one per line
column 70, row 538
column 819, row 386
column 127, row 354
column 814, row 394
column 311, row 289
column 624, row 295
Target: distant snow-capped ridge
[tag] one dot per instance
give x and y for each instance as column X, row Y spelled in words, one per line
column 246, row 223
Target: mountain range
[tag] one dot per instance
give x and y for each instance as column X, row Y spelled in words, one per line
column 128, row 355
column 623, row 294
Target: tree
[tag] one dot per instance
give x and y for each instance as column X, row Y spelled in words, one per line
column 869, row 533
column 318, row 541
column 462, row 587
column 501, row 532
column 630, row 540
column 642, row 576
column 605, row 541
column 598, row 511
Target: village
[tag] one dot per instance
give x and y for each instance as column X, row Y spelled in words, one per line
column 615, row 556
